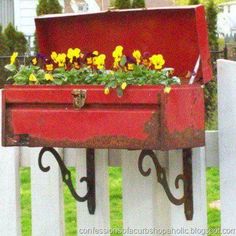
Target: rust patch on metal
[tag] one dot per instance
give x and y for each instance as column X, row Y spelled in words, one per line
column 185, row 139
column 96, row 142
column 158, row 138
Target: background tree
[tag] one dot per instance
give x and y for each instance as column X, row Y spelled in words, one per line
column 54, row 7
column 4, row 50
column 211, row 87
column 122, row 4
column 211, row 10
column 11, row 41
column 194, row 2
column 42, row 7
column 15, row 40
column 138, row 4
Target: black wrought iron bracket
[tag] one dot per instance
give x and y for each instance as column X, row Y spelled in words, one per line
column 186, row 177
column 90, row 196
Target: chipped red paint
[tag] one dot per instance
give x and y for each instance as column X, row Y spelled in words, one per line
column 128, row 122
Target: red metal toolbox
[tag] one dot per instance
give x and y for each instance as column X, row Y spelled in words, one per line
column 145, row 117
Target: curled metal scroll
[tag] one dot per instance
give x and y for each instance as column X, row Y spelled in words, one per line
column 162, row 179
column 66, row 176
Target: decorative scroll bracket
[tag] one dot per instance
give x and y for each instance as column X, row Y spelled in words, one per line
column 90, row 196
column 186, row 177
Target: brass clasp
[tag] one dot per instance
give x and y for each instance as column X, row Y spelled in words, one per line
column 80, row 96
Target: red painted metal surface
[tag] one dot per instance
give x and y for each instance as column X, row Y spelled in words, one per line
column 144, row 118
column 180, row 34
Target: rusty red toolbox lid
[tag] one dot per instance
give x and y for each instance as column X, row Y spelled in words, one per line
column 179, row 34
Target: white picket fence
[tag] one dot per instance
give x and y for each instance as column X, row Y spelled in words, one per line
column 146, row 209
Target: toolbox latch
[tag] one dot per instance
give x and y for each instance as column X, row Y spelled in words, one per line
column 79, row 98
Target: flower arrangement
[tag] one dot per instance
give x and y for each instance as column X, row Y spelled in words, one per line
column 76, row 67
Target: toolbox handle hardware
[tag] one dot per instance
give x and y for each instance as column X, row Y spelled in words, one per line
column 79, row 97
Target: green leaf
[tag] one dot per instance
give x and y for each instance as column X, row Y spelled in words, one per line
column 123, row 60
column 10, row 67
column 58, row 81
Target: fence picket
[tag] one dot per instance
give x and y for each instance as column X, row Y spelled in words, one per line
column 91, row 224
column 144, row 207
column 9, row 188
column 9, row 192
column 178, row 220
column 227, row 143
column 46, row 197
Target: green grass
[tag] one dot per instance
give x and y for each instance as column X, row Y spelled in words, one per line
column 115, row 186
column 115, row 201
column 213, row 194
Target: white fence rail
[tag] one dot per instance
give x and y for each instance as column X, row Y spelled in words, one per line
column 145, row 204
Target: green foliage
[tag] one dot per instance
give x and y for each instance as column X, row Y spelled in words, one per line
column 122, row 4
column 211, row 100
column 54, row 7
column 212, row 24
column 138, row 4
column 4, row 50
column 16, row 41
column 140, row 75
column 48, row 7
column 211, row 87
column 194, row 2
column 186, row 2
column 42, row 7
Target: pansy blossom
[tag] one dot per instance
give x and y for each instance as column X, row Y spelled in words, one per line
column 13, row 58
column 157, row 61
column 73, row 54
column 137, row 55
column 117, row 55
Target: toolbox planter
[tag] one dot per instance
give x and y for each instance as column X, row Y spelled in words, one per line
column 144, row 118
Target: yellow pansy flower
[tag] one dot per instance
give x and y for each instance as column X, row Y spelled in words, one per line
column 48, row 77
column 13, row 58
column 71, row 53
column 61, row 59
column 167, row 89
column 95, row 53
column 116, row 64
column 49, row 67
column 89, row 60
column 124, row 85
column 117, row 54
column 137, row 55
column 157, row 61
column 100, row 61
column 106, row 91
column 54, row 56
column 118, row 51
column 32, row 78
column 130, row 66
column 34, row 61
